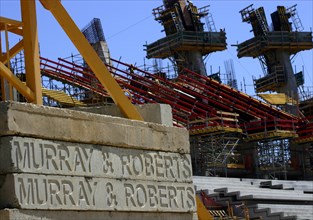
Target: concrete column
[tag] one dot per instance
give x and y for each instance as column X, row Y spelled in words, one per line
column 290, row 87
column 193, row 61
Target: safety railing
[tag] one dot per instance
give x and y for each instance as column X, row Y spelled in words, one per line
column 197, row 102
column 185, row 39
column 271, row 81
column 267, row 125
column 295, row 41
column 305, row 131
column 231, row 98
column 71, row 74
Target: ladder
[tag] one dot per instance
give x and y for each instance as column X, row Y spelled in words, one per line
column 210, row 23
column 176, row 22
column 229, row 148
column 205, row 12
column 295, row 18
column 262, row 22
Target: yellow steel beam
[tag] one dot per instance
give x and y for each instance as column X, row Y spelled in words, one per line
column 13, row 26
column 3, row 97
column 277, row 98
column 31, row 49
column 17, row 31
column 12, row 52
column 16, row 82
column 203, row 213
column 276, row 134
column 214, row 129
column 10, row 22
column 91, row 57
column 13, row 29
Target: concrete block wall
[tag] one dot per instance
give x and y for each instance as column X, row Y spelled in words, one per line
column 156, row 113
column 65, row 164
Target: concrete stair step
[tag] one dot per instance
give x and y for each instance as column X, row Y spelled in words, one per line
column 267, row 199
column 265, row 195
column 267, row 213
column 301, row 211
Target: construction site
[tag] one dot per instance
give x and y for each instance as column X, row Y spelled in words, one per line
column 90, row 136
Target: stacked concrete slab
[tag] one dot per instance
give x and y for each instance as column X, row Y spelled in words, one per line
column 275, row 199
column 65, row 164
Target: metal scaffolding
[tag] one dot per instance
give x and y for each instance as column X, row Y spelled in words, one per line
column 213, row 154
column 93, row 31
column 220, row 119
column 274, row 158
column 186, row 42
column 273, row 48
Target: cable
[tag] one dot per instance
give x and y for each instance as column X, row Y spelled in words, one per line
column 237, row 59
column 129, row 27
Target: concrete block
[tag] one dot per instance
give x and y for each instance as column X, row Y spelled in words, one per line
column 74, row 126
column 15, row 214
column 30, row 155
column 32, row 191
column 156, row 113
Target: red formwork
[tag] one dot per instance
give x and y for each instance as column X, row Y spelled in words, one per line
column 275, row 124
column 70, row 75
column 197, row 101
column 237, row 99
column 305, row 130
column 149, row 91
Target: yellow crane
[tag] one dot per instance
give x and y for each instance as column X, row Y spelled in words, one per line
column 27, row 28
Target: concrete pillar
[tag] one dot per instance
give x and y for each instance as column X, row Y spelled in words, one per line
column 103, row 52
column 6, row 89
column 290, row 87
column 249, row 151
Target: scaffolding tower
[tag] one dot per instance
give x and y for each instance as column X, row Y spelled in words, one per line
column 230, row 74
column 95, row 36
column 215, row 154
column 277, row 156
column 186, row 42
column 274, row 48
column 274, row 158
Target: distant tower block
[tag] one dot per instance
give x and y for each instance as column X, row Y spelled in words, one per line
column 93, row 32
column 186, row 42
column 274, row 47
column 95, row 36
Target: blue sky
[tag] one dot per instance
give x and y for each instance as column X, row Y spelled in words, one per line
column 129, row 24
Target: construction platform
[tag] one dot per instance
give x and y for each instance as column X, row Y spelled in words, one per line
column 204, row 42
column 293, row 42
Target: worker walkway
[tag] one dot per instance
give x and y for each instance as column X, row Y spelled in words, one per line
column 61, row 97
column 283, row 40
column 205, row 42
